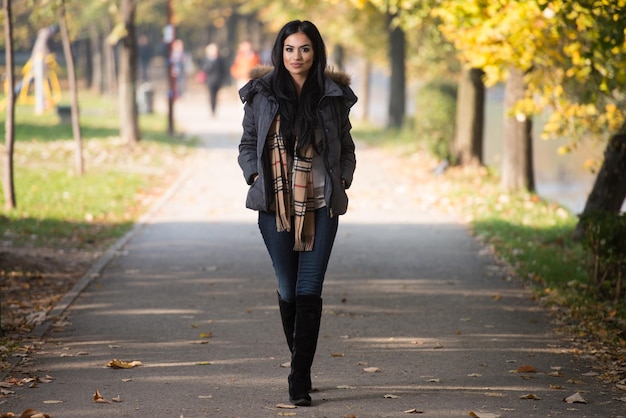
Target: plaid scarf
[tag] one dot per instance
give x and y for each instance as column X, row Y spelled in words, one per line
column 293, row 189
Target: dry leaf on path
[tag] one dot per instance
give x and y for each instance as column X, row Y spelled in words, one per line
column 99, row 398
column 413, row 411
column 121, row 364
column 483, row 415
column 530, row 396
column 575, row 398
column 371, row 369
column 526, row 369
column 390, row 396
column 285, row 406
column 53, row 402
column 31, row 413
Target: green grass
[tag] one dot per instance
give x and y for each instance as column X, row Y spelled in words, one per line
column 57, row 208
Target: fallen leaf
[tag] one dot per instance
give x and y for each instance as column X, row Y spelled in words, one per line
column 575, row 382
column 434, row 380
column 589, row 374
column 389, row 396
column 121, row 364
column 483, row 415
column 556, row 387
column 285, row 406
column 555, row 374
column 31, row 413
column 621, row 384
column 575, row 398
column 53, row 401
column 474, row 375
column 530, row 396
column 371, row 369
column 526, row 369
column 413, row 411
column 494, row 394
column 206, row 335
column 117, row 399
column 336, row 354
column 99, row 398
column 286, row 365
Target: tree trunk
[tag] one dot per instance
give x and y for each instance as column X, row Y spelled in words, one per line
column 129, row 117
column 71, row 75
column 470, row 119
column 609, row 189
column 110, row 79
column 9, row 127
column 397, row 94
column 517, row 161
column 364, row 97
column 97, row 79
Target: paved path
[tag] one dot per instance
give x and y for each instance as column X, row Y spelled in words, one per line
column 417, row 316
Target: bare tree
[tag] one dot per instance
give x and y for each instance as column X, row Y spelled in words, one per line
column 71, row 74
column 397, row 90
column 129, row 118
column 9, row 126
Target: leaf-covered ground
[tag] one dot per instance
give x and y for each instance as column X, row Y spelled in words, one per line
column 33, row 281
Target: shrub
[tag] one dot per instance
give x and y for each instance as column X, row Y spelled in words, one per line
column 435, row 117
column 604, row 238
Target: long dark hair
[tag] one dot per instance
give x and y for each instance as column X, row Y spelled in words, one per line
column 298, row 116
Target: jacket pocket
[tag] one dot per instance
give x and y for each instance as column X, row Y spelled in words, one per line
column 255, row 199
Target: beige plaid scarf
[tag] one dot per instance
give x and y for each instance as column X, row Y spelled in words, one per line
column 293, row 189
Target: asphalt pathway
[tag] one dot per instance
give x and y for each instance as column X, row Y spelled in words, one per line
column 418, row 317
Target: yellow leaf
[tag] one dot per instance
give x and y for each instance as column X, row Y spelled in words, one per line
column 120, row 364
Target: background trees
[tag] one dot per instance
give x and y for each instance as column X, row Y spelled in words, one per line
column 564, row 59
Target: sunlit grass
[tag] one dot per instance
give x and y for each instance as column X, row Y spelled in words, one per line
column 58, row 208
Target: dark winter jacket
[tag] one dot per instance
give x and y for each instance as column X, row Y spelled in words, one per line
column 261, row 107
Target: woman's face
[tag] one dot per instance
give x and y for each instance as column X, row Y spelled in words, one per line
column 298, row 55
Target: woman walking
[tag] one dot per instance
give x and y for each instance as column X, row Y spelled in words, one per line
column 297, row 155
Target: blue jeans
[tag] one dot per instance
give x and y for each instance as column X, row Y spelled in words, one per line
column 299, row 272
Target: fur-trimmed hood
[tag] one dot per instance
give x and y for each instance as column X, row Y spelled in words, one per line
column 337, row 84
column 340, row 77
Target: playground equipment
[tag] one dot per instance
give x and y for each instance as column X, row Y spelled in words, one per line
column 25, row 90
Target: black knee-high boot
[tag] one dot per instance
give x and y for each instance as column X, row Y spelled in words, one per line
column 307, row 326
column 288, row 316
